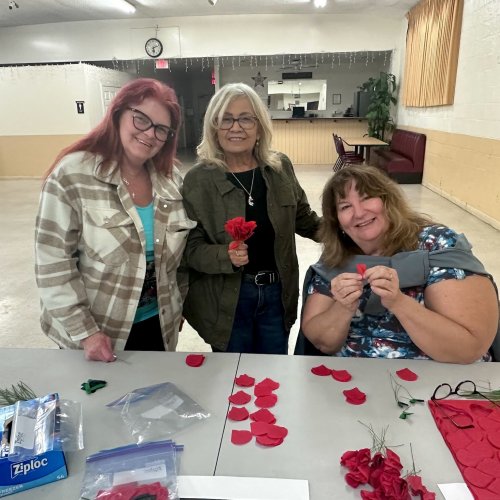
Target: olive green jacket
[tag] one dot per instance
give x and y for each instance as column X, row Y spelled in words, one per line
column 214, row 284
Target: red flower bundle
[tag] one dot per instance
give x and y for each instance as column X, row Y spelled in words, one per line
column 130, row 491
column 239, row 230
column 383, row 474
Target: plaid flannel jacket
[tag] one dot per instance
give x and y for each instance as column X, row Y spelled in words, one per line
column 90, row 252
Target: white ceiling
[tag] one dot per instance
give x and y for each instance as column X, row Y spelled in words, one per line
column 55, row 11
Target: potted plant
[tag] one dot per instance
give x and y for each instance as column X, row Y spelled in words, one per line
column 382, row 94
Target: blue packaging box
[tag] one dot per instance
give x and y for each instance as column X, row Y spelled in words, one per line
column 19, row 476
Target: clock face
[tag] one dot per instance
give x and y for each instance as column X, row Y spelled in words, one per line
column 153, row 47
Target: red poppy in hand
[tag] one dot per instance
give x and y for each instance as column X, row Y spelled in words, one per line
column 239, row 230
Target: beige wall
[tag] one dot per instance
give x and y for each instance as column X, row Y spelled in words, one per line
column 30, row 155
column 464, row 169
column 311, row 141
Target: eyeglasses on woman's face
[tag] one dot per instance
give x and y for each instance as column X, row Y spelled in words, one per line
column 466, row 388
column 246, row 122
column 143, row 123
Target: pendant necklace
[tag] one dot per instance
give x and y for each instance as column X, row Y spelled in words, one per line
column 249, row 193
column 127, row 183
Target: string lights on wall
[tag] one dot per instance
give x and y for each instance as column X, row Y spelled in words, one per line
column 264, row 63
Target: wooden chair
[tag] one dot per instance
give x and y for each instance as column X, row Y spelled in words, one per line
column 344, row 157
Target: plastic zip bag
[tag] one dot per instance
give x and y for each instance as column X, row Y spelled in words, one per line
column 45, row 424
column 156, row 411
column 146, row 470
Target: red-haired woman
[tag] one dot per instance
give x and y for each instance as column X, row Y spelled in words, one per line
column 111, row 230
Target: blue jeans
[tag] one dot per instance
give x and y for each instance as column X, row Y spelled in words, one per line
column 258, row 325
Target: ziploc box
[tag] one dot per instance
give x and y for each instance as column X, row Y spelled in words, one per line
column 19, row 476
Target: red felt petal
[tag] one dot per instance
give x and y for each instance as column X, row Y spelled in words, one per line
column 407, row 374
column 259, row 428
column 263, row 415
column 262, row 390
column 488, row 424
column 240, row 437
column 240, row 398
column 321, row 371
column 458, row 440
column 269, row 383
column 195, row 360
column 277, row 431
column 244, row 380
column 495, row 486
column 361, row 269
column 341, row 375
column 267, row 441
column 477, row 478
column 237, row 414
column 415, row 484
column 354, row 396
column 494, row 438
column 467, row 458
column 266, row 401
column 489, row 466
column 480, row 449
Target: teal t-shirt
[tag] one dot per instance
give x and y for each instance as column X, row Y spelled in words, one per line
column 148, row 303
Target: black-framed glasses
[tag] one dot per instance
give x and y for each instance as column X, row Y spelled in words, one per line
column 142, row 122
column 246, row 122
column 466, row 388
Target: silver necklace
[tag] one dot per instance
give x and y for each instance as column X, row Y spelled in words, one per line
column 250, row 199
column 127, row 183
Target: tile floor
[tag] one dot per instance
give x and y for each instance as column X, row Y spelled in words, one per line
column 19, row 306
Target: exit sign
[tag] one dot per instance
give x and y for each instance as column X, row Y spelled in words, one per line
column 161, row 63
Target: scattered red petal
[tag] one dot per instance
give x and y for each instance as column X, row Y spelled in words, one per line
column 262, row 390
column 269, row 383
column 361, row 269
column 494, row 438
column 321, row 371
column 263, row 415
column 237, row 414
column 267, row 441
column 266, row 401
column 341, row 375
column 259, row 428
column 241, row 437
column 354, row 396
column 490, row 466
column 477, row 478
column 240, row 398
column 407, row 374
column 195, row 360
column 244, row 380
column 277, row 431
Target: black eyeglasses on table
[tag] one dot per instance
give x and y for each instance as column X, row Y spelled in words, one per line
column 466, row 388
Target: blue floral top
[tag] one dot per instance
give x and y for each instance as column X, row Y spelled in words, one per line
column 383, row 336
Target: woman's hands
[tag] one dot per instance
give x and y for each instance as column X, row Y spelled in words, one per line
column 346, row 289
column 384, row 282
column 238, row 255
column 98, row 347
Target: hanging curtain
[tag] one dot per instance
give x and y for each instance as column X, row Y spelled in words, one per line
column 432, row 45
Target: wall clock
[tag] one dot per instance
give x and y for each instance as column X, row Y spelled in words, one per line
column 153, row 47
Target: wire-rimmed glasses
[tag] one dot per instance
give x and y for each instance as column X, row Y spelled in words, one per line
column 466, row 388
column 246, row 122
column 142, row 122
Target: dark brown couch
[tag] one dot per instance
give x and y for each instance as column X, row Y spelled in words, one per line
column 404, row 160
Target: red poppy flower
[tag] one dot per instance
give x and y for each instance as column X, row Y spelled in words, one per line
column 239, row 230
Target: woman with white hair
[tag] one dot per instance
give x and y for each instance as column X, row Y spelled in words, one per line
column 243, row 299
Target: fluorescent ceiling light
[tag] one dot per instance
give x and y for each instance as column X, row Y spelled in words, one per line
column 319, row 3
column 122, row 5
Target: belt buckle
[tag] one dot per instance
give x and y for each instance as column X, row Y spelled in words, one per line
column 260, row 274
